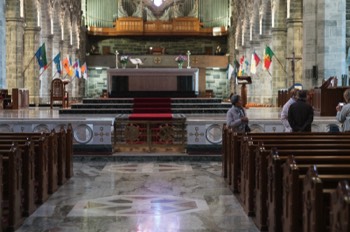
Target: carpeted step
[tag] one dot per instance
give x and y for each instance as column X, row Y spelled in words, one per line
column 151, row 110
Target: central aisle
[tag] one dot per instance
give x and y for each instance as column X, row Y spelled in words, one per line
column 142, row 196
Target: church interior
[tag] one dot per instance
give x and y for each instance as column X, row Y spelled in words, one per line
column 113, row 115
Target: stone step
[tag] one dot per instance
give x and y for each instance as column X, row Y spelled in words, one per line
column 129, row 111
column 130, row 106
column 173, row 100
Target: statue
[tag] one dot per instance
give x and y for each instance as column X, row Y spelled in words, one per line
column 194, row 12
column 149, row 15
column 121, row 12
column 139, row 10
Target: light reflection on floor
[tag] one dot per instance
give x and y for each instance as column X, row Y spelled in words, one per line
column 98, row 198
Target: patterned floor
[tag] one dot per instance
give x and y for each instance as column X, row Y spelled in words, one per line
column 142, row 197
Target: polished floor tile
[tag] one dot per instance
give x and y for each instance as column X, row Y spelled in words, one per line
column 142, row 197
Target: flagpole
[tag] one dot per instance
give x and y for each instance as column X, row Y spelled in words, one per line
column 54, row 75
column 25, row 69
column 45, row 68
column 269, row 73
column 280, row 64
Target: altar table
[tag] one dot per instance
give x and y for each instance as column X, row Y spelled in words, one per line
column 152, row 82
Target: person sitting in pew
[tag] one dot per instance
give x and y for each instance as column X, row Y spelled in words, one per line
column 343, row 112
column 236, row 117
column 284, row 112
column 301, row 114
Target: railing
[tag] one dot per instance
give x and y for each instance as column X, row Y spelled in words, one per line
column 150, row 135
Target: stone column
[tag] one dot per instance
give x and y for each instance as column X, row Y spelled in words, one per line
column 31, row 74
column 14, row 53
column 324, row 47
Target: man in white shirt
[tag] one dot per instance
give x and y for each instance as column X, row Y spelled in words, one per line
column 284, row 112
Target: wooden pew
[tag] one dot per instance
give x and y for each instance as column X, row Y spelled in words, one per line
column 302, row 186
column 41, row 163
column 275, row 176
column 248, row 162
column 225, row 148
column 69, row 151
column 254, row 173
column 234, row 157
column 27, row 169
column 60, row 154
column 340, row 208
column 12, row 178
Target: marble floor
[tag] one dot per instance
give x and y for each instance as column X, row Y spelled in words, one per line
column 142, row 197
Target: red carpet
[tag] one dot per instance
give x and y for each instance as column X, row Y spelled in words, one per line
column 152, row 105
column 151, row 109
column 150, row 116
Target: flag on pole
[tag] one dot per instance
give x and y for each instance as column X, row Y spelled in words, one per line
column 254, row 62
column 41, row 56
column 241, row 69
column 77, row 69
column 268, row 57
column 83, row 70
column 67, row 66
column 57, row 61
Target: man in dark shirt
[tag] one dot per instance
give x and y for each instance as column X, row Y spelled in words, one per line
column 301, row 114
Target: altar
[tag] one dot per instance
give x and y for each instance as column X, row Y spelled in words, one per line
column 152, row 82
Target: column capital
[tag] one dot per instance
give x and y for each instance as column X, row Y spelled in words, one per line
column 15, row 19
column 37, row 29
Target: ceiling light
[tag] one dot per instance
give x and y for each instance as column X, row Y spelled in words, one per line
column 158, row 2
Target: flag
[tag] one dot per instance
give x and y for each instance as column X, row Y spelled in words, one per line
column 241, row 60
column 76, row 67
column 67, row 66
column 41, row 56
column 57, row 61
column 241, row 69
column 245, row 67
column 268, row 57
column 254, row 63
column 83, row 70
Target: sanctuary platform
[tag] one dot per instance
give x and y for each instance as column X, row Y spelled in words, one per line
column 93, row 133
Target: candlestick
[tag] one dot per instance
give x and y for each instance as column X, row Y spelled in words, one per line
column 188, row 59
column 116, row 59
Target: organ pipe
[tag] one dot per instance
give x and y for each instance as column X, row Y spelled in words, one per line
column 211, row 13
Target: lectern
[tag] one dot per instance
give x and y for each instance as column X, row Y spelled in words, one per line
column 244, row 81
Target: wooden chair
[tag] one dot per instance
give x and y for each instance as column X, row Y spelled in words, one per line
column 58, row 93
